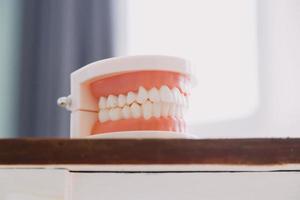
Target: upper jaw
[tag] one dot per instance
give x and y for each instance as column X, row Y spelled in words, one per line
column 163, row 94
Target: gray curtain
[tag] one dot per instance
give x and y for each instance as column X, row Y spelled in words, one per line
column 58, row 37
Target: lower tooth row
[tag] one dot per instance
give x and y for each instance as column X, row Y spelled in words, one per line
column 146, row 110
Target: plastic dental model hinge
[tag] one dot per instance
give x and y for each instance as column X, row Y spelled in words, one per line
column 65, row 102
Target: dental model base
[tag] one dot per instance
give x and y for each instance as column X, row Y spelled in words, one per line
column 139, row 95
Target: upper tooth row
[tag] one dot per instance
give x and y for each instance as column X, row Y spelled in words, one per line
column 164, row 94
column 146, row 110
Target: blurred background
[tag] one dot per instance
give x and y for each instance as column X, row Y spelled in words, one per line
column 245, row 55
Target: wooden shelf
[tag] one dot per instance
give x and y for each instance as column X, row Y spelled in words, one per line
column 149, row 151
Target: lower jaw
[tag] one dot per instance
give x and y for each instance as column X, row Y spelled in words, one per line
column 152, row 124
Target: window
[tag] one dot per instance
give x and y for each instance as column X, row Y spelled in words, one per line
column 218, row 37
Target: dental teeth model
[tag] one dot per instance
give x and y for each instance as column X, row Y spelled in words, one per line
column 135, row 93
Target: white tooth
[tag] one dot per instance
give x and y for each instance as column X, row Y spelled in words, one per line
column 135, row 110
column 183, row 87
column 186, row 102
column 172, row 98
column 165, row 94
column 172, row 110
column 165, row 109
column 115, row 114
column 188, row 88
column 126, row 112
column 183, row 101
column 102, row 103
column 147, row 109
column 156, row 109
column 142, row 95
column 121, row 100
column 185, row 105
column 176, row 94
column 179, row 111
column 154, row 95
column 180, row 99
column 176, row 108
column 184, row 111
column 131, row 97
column 112, row 101
column 103, row 115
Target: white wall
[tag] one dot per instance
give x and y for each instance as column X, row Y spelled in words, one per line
column 245, row 55
column 218, row 37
